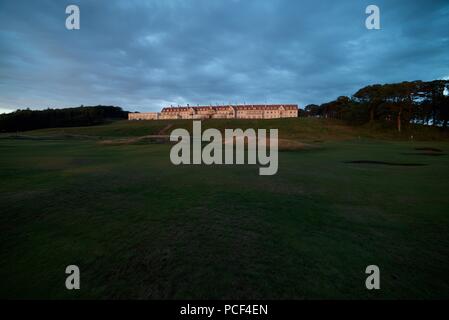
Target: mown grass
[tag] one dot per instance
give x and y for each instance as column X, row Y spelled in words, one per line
column 304, row 129
column 140, row 227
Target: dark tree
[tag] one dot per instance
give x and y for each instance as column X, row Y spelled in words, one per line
column 22, row 120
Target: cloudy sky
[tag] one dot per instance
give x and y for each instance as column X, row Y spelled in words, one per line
column 143, row 55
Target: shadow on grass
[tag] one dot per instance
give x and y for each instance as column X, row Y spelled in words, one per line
column 387, row 163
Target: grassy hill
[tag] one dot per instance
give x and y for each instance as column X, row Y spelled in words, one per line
column 304, row 129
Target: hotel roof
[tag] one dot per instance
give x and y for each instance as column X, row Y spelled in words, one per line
column 236, row 107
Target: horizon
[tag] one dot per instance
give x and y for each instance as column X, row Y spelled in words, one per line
column 4, row 111
column 177, row 53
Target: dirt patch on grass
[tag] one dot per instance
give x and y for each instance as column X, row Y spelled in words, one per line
column 401, row 164
column 165, row 129
column 151, row 139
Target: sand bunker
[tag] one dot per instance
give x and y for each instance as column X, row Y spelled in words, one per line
column 151, row 139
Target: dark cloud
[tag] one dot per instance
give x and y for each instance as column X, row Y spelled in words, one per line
column 145, row 54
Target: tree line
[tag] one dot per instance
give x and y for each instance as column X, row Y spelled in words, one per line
column 401, row 104
column 22, row 120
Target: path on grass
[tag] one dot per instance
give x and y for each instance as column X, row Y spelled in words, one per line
column 164, row 130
